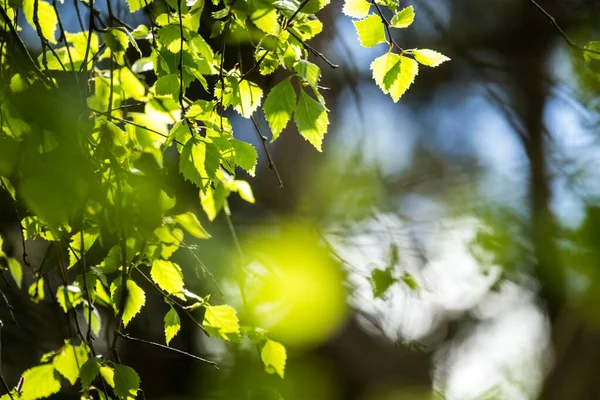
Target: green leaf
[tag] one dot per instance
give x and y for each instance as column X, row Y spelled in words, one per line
column 68, row 360
column 403, row 18
column 394, row 73
column 212, row 200
column 36, row 290
column 168, row 85
column 370, row 31
column 46, row 17
column 89, row 237
column 135, row 5
column 245, row 155
column 108, row 374
column 311, row 120
column 190, row 223
column 197, row 161
column 243, row 189
column 381, row 280
column 68, row 297
column 167, row 275
column 431, row 58
column 410, row 281
column 314, row 6
column 250, row 95
column 88, row 372
column 274, row 356
column 222, row 321
column 16, row 270
column 172, row 325
column 96, row 318
column 356, row 8
column 116, row 40
column 136, row 298
column 39, row 382
column 127, row 382
column 308, row 71
column 279, row 106
column 264, row 15
column 408, row 71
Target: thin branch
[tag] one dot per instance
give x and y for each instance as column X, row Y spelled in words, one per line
column 162, row 346
column 567, row 39
column 387, row 25
column 22, row 46
column 304, row 3
column 313, row 50
column 271, row 163
column 175, row 302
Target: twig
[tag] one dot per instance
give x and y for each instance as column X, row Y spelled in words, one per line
column 313, row 50
column 571, row 43
column 271, row 164
column 22, row 46
column 175, row 302
column 162, row 346
column 10, row 309
column 387, row 24
column 304, row 3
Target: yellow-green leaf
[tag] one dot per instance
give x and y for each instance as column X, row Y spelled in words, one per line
column 274, row 356
column 279, row 106
column 172, row 325
column 394, row 73
column 136, row 298
column 222, row 321
column 311, row 120
column 403, row 18
column 15, row 270
column 431, row 58
column 409, row 69
column 39, row 382
column 190, row 223
column 167, row 275
column 46, row 16
column 249, row 100
column 264, row 15
column 135, row 5
column 370, row 31
column 356, row 8
column 68, row 361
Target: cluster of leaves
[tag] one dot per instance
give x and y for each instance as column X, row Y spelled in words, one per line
column 93, row 176
column 393, row 72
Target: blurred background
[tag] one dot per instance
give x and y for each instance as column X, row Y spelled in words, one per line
column 439, row 247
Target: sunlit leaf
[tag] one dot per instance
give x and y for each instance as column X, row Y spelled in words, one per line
column 222, row 321
column 403, row 18
column 356, row 8
column 273, row 356
column 167, row 275
column 431, row 58
column 279, row 106
column 68, row 361
column 190, row 223
column 370, row 31
column 311, row 120
column 39, row 382
column 172, row 325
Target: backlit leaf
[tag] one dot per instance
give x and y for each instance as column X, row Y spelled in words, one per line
column 167, row 275
column 279, row 106
column 190, row 223
column 356, row 8
column 222, row 321
column 311, row 120
column 39, row 382
column 273, row 356
column 46, row 16
column 68, row 361
column 431, row 58
column 370, row 31
column 172, row 325
column 403, row 18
